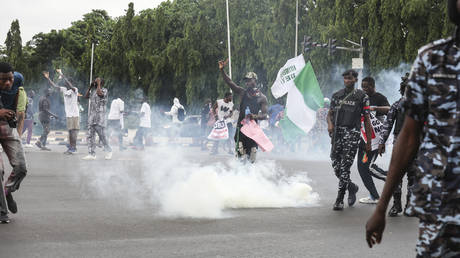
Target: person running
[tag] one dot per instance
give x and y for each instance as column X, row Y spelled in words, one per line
column 396, row 117
column 10, row 81
column 223, row 108
column 44, row 116
column 430, row 134
column 72, row 112
column 366, row 167
column 253, row 106
column 116, row 121
column 205, row 116
column 97, row 96
column 348, row 105
column 29, row 119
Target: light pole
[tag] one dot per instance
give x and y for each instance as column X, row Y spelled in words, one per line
column 228, row 43
column 296, row 25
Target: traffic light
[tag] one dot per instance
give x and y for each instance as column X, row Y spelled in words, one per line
column 332, row 46
column 307, row 44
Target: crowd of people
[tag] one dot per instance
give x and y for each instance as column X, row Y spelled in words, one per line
column 424, row 122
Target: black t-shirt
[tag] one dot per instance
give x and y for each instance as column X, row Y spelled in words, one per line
column 253, row 103
column 378, row 100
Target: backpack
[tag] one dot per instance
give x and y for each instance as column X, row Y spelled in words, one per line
column 181, row 114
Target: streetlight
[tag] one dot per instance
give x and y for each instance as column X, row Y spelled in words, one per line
column 228, row 43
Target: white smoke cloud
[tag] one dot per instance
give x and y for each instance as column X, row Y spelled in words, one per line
column 178, row 186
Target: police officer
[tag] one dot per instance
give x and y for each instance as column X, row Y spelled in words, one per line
column 430, row 134
column 396, row 117
column 344, row 123
column 252, row 101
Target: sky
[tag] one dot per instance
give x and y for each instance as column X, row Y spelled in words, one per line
column 44, row 15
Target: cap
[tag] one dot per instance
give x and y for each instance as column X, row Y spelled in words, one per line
column 251, row 75
column 350, row 72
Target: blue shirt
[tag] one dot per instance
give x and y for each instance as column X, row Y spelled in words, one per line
column 9, row 97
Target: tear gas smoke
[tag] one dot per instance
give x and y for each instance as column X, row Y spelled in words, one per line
column 177, row 186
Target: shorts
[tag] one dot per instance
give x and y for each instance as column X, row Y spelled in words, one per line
column 73, row 123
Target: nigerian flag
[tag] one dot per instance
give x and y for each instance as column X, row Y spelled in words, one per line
column 302, row 102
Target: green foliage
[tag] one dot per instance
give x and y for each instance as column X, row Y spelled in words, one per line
column 172, row 50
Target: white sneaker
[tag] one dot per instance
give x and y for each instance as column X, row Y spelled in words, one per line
column 28, row 145
column 108, row 155
column 89, row 157
column 368, row 200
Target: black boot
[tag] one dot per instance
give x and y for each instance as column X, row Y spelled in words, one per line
column 12, row 206
column 397, row 207
column 352, row 190
column 338, row 205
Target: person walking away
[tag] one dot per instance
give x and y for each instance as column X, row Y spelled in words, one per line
column 344, row 123
column 430, row 134
column 144, row 125
column 205, row 116
column 115, row 123
column 97, row 95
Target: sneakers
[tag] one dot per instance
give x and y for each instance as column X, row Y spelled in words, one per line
column 108, row 155
column 14, row 181
column 368, row 200
column 11, row 203
column 28, row 145
column 89, row 157
column 70, row 152
column 38, row 144
column 352, row 190
column 4, row 218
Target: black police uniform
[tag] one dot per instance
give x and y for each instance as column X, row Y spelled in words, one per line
column 347, row 107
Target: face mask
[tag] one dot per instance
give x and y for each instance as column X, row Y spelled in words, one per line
column 454, row 16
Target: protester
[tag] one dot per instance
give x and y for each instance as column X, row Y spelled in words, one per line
column 44, row 116
column 72, row 113
column 144, row 125
column 253, row 106
column 29, row 119
column 366, row 160
column 396, row 116
column 205, row 116
column 21, row 109
column 344, row 123
column 430, row 135
column 97, row 95
column 10, row 81
column 223, row 108
column 177, row 112
column 116, row 121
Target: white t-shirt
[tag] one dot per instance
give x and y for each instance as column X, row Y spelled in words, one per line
column 224, row 109
column 117, row 107
column 145, row 116
column 70, row 102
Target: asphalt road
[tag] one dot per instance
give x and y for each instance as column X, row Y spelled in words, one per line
column 61, row 216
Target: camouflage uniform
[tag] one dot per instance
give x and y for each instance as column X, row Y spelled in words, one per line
column 347, row 122
column 433, row 100
column 97, row 121
column 396, row 117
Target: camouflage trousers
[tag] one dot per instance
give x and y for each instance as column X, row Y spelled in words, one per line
column 343, row 154
column 438, row 240
column 91, row 138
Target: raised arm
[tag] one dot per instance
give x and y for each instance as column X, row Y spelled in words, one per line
column 67, row 81
column 235, row 88
column 47, row 76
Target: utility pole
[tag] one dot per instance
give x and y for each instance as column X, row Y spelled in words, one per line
column 296, row 26
column 228, row 43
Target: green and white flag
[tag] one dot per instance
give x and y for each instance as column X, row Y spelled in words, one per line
column 285, row 78
column 303, row 101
